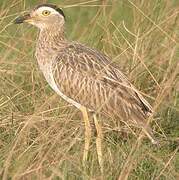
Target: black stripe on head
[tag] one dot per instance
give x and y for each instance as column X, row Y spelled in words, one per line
column 52, row 6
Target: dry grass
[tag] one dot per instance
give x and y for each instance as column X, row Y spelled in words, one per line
column 42, row 137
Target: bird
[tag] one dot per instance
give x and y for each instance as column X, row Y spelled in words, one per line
column 85, row 77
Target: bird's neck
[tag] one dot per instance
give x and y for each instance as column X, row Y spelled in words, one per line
column 50, row 42
column 52, row 36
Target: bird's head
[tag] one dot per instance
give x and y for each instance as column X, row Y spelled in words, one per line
column 43, row 16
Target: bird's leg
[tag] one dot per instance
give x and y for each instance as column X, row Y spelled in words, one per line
column 99, row 142
column 87, row 133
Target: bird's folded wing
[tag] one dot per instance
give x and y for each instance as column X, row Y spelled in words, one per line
column 97, row 67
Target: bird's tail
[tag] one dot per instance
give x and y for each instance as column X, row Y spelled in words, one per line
column 149, row 133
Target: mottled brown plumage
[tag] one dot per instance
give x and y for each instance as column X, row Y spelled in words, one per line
column 84, row 76
column 88, row 77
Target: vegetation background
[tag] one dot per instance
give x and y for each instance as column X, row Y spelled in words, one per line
column 42, row 137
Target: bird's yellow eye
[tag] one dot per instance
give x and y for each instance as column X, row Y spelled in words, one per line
column 46, row 13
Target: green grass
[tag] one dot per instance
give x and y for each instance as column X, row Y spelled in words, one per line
column 42, row 137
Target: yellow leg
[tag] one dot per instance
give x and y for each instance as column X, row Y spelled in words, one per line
column 87, row 133
column 99, row 143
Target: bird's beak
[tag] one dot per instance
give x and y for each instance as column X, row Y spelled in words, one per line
column 22, row 19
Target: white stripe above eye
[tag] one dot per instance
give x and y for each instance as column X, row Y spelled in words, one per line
column 53, row 11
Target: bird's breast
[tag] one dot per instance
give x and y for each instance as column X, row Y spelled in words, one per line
column 47, row 69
